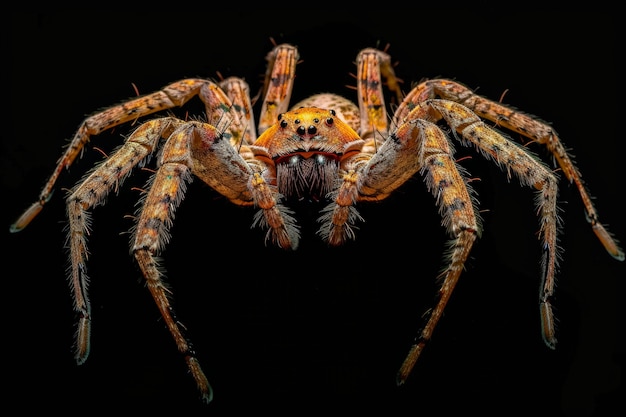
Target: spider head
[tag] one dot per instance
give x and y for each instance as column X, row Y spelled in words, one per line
column 305, row 151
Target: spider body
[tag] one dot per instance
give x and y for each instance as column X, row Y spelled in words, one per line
column 324, row 148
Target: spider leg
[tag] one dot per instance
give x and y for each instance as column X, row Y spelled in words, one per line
column 338, row 217
column 173, row 95
column 241, row 176
column 204, row 151
column 238, row 92
column 525, row 125
column 91, row 192
column 273, row 216
column 151, row 234
column 530, row 172
column 420, row 145
column 278, row 85
column 374, row 70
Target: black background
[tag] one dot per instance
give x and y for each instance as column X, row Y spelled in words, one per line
column 319, row 329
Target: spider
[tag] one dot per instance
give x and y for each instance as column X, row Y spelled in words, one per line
column 324, row 148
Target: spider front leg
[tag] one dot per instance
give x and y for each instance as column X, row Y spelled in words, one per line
column 199, row 149
column 419, row 145
column 522, row 124
column 166, row 190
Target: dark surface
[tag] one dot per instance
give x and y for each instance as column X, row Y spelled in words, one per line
column 319, row 329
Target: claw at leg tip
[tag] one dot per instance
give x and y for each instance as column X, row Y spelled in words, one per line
column 207, row 397
column 610, row 244
column 400, row 379
column 26, row 217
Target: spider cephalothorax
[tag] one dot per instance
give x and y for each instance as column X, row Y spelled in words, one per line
column 325, row 148
column 305, row 150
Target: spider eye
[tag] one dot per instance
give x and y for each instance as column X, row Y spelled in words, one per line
column 312, row 129
column 316, row 120
column 297, row 121
column 280, row 117
column 333, row 112
column 330, row 121
column 283, row 123
column 301, row 130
